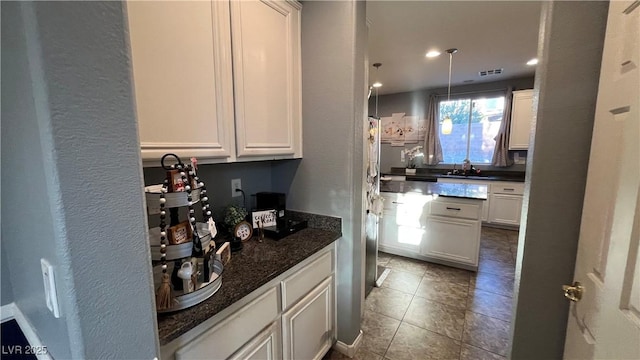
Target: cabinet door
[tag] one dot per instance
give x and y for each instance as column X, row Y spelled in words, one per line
column 181, row 60
column 485, row 209
column 451, row 239
column 265, row 346
column 403, row 224
column 505, row 209
column 521, row 117
column 308, row 326
column 234, row 332
column 266, row 69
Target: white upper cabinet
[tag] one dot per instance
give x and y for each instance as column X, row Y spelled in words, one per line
column 191, row 60
column 266, row 77
column 521, row 117
column 182, row 71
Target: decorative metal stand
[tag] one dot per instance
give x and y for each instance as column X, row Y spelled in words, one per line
column 184, row 287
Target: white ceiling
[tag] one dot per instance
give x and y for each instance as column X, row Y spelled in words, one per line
column 488, row 35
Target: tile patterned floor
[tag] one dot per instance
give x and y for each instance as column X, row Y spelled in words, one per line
column 430, row 311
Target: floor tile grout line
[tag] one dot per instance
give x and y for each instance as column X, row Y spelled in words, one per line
column 394, row 334
column 430, row 331
column 442, row 303
column 464, row 325
column 508, row 263
column 435, row 332
column 489, row 351
column 398, row 329
column 489, row 316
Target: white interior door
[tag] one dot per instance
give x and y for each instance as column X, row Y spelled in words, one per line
column 605, row 324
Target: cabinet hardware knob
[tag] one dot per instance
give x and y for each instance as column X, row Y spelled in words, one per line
column 452, row 208
column 507, row 189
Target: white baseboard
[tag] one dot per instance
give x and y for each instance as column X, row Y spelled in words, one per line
column 11, row 311
column 349, row 350
column 6, row 312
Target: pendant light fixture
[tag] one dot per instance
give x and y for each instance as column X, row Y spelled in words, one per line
column 376, row 84
column 447, row 123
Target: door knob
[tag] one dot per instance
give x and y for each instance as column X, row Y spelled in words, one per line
column 573, row 292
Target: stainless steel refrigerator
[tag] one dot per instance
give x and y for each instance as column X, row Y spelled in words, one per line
column 373, row 205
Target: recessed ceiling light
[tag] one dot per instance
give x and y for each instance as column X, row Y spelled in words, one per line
column 532, row 62
column 377, row 84
column 433, row 53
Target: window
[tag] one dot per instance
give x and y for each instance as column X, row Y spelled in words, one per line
column 476, row 122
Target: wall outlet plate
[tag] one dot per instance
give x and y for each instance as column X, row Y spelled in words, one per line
column 236, row 184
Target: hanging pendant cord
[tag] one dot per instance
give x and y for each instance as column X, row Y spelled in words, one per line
column 376, row 102
column 449, row 88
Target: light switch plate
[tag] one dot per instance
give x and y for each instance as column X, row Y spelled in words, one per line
column 50, row 292
column 402, row 155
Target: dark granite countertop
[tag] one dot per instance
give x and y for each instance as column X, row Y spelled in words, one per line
column 255, row 265
column 465, row 191
column 424, row 174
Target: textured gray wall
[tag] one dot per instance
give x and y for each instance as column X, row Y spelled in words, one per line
column 415, row 103
column 7, row 292
column 572, row 36
column 84, row 207
column 327, row 181
column 28, row 229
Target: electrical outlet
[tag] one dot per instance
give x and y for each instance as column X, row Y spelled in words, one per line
column 236, row 184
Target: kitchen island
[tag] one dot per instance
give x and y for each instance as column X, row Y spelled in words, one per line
column 437, row 222
column 268, row 290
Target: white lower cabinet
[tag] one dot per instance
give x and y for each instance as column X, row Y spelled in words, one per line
column 291, row 317
column 453, row 239
column 265, row 346
column 485, row 204
column 395, row 235
column 226, row 337
column 308, row 326
column 402, row 226
column 506, row 203
column 504, row 200
column 425, row 227
column 505, row 209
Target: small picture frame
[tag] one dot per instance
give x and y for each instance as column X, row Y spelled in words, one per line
column 180, row 234
column 175, row 181
column 263, row 218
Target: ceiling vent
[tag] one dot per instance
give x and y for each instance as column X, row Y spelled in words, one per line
column 490, row 72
